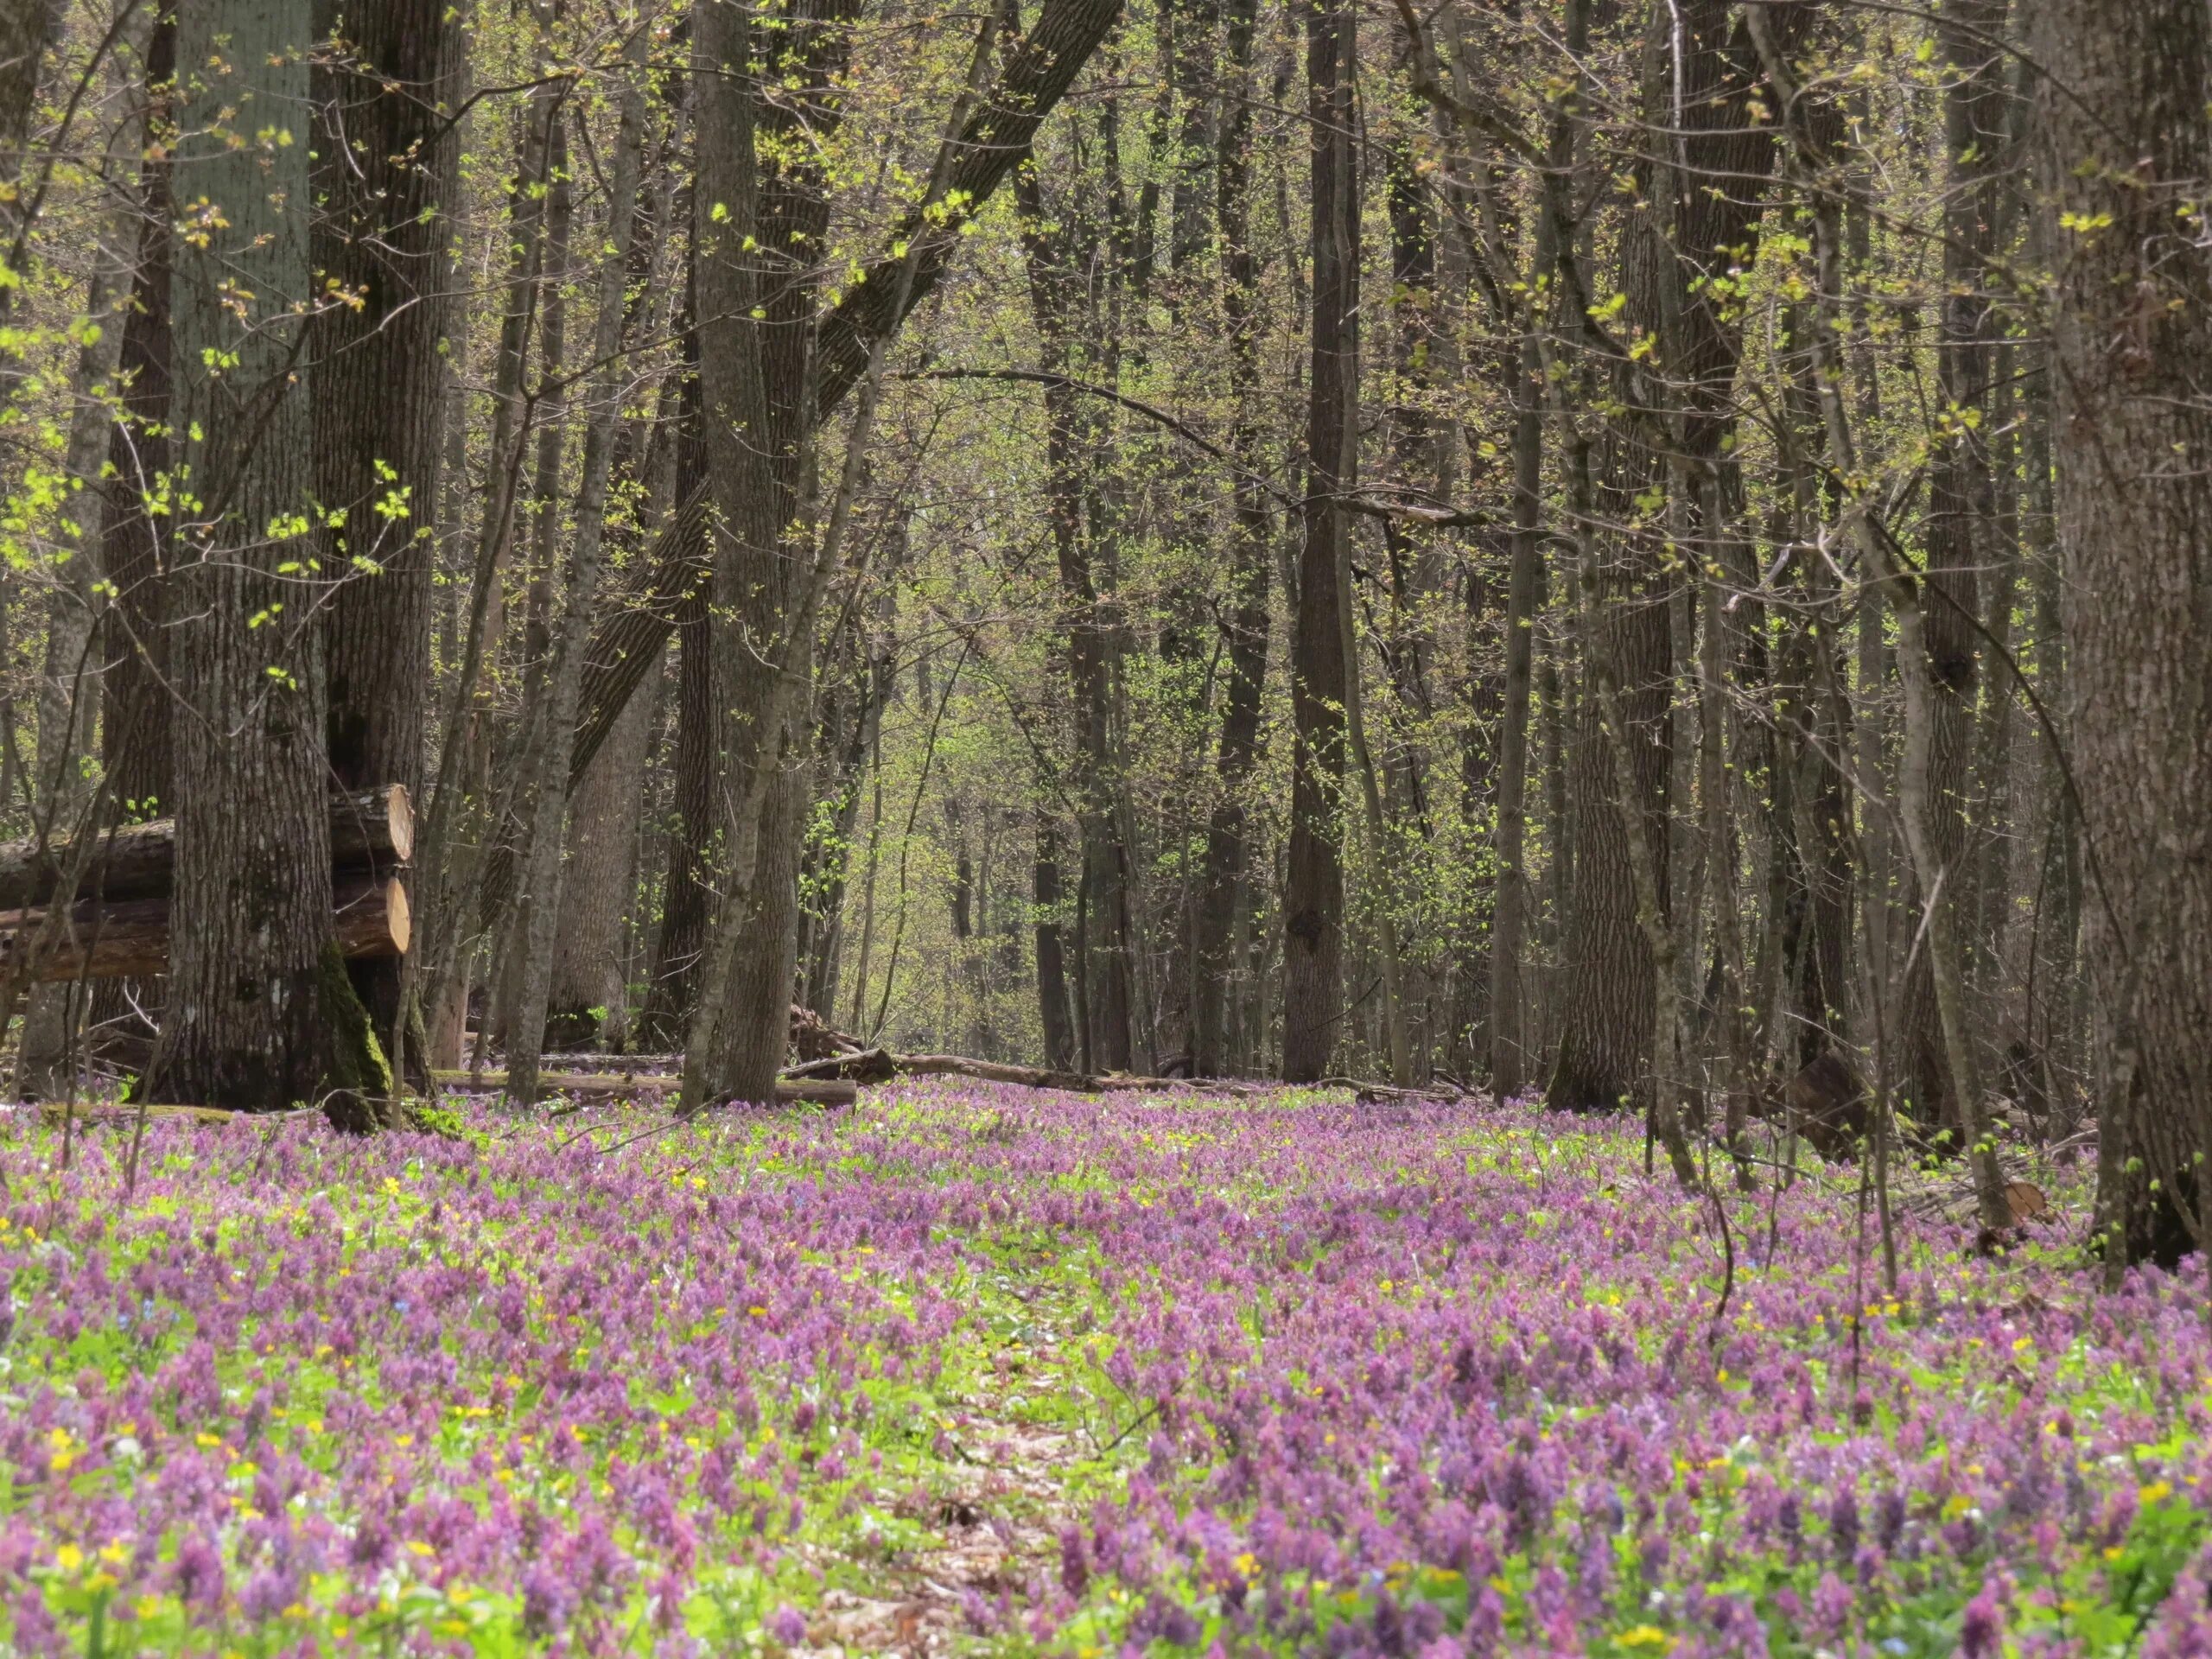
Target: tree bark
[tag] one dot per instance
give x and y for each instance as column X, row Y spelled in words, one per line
column 385, row 140
column 545, row 767
column 2127, row 160
column 254, row 1018
column 1222, row 894
column 68, row 692
column 1059, row 259
column 1313, row 895
column 1052, row 961
column 588, row 1003
column 1960, row 508
column 1702, row 90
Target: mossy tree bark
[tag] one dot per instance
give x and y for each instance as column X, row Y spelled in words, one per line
column 250, row 1017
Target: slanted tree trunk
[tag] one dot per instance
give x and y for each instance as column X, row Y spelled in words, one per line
column 1313, row 895
column 2128, row 163
column 260, row 1012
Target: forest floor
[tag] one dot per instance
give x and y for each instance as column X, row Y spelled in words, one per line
column 982, row 1369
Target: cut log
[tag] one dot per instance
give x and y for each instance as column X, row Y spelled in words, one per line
column 370, row 829
column 131, row 937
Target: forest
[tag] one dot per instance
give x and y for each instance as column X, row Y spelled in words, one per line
column 1106, row 826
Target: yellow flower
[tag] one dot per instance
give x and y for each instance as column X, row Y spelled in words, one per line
column 68, row 1558
column 2154, row 1492
column 1645, row 1636
column 416, row 1546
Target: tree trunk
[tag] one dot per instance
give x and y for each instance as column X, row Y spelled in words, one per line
column 384, row 93
column 68, row 699
column 1059, row 259
column 134, row 715
column 686, row 903
column 1703, row 89
column 24, row 26
column 1222, row 896
column 2129, row 161
column 588, row 1003
column 1961, row 507
column 260, row 1015
column 545, row 803
column 1905, row 589
column 1051, row 970
column 1313, row 896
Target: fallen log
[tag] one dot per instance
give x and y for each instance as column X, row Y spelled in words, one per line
column 132, row 939
column 1376, row 1094
column 880, row 1065
column 111, row 1111
column 808, row 1091
column 370, row 829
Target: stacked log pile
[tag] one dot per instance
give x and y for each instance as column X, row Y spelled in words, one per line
column 119, row 925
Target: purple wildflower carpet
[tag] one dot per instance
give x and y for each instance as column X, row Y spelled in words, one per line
column 967, row 1369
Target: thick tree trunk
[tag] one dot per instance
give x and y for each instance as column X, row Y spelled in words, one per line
column 2129, row 164
column 1313, row 895
column 384, row 90
column 256, row 999
column 1707, row 85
